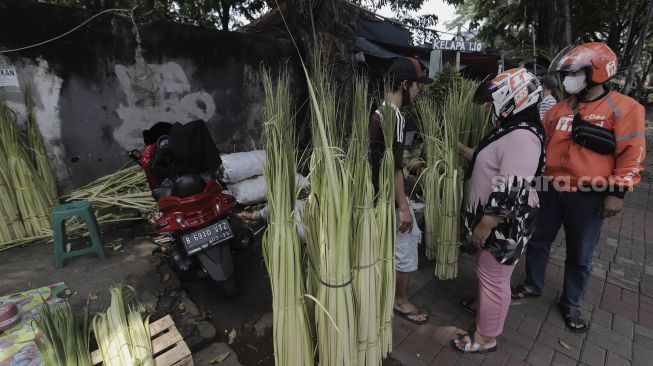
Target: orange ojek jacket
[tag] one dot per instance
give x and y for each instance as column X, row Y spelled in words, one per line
column 567, row 159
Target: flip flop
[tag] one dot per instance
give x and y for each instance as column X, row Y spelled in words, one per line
column 521, row 292
column 470, row 347
column 573, row 316
column 407, row 314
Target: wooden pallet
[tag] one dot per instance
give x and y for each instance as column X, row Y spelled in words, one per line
column 168, row 345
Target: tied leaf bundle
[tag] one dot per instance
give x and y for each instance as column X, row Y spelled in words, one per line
column 386, row 218
column 62, row 340
column 281, row 244
column 442, row 127
column 328, row 224
column 125, row 189
column 11, row 227
column 39, row 153
column 364, row 234
column 31, row 199
column 121, row 196
column 122, row 332
column 432, row 178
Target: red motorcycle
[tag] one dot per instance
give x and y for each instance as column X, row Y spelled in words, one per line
column 181, row 164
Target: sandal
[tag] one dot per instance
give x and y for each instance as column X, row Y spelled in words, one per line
column 571, row 317
column 522, row 292
column 469, row 345
column 468, row 304
column 407, row 315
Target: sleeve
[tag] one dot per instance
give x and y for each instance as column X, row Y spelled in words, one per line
column 542, row 108
column 630, row 150
column 511, row 189
column 377, row 145
column 398, row 142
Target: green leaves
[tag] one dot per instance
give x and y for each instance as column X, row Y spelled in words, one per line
column 63, row 340
column 122, row 332
column 293, row 343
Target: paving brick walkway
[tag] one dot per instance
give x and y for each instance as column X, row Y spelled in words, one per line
column 618, row 302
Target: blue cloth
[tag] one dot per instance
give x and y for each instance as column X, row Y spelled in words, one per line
column 579, row 214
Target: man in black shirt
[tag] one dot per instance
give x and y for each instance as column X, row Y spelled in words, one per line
column 406, row 77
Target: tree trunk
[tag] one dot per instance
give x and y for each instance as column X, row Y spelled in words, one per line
column 566, row 35
column 545, row 19
column 647, row 70
column 614, row 33
column 638, row 50
column 327, row 27
column 553, row 15
column 225, row 15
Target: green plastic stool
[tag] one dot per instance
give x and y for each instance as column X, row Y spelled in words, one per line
column 81, row 209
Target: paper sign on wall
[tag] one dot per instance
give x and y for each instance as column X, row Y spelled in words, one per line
column 8, row 77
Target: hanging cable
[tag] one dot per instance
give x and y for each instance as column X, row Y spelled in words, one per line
column 131, row 11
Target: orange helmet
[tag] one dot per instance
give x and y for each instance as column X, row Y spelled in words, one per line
column 596, row 58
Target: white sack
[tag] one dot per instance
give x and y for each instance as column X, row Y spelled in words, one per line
column 253, row 190
column 240, row 166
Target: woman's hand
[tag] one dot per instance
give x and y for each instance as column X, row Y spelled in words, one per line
column 483, row 229
column 480, row 235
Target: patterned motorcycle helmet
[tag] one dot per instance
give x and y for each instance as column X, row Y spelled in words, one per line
column 597, row 59
column 509, row 92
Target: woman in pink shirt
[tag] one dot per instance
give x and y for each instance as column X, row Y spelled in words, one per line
column 502, row 206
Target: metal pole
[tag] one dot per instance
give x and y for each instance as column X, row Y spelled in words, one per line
column 638, row 50
column 534, row 52
column 458, row 37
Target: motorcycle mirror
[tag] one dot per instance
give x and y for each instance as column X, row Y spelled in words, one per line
column 135, row 155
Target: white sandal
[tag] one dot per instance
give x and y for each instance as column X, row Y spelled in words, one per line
column 470, row 347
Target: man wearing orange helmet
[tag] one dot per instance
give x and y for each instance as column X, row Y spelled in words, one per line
column 594, row 153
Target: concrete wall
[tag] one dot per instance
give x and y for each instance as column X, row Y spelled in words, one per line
column 95, row 90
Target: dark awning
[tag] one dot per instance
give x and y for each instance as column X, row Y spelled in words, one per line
column 383, row 31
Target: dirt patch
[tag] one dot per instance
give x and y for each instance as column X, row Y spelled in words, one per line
column 243, row 312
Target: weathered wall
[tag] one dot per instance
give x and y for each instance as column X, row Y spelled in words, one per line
column 95, row 90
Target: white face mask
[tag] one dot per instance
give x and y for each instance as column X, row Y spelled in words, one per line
column 574, row 84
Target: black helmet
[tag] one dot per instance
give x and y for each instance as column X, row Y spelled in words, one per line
column 187, row 185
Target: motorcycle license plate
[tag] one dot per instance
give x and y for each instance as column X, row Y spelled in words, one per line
column 209, row 236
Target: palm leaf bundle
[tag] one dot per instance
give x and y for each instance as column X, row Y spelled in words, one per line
column 443, row 125
column 386, row 220
column 364, row 234
column 122, row 332
column 124, row 189
column 281, row 244
column 32, row 201
column 11, row 227
column 432, row 177
column 328, row 227
column 117, row 197
column 61, row 339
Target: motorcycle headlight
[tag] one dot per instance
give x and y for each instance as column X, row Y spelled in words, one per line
column 179, row 219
